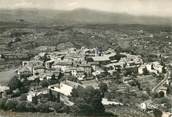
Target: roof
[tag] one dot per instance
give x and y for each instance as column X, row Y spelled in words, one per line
column 38, row 92
column 65, row 87
column 24, row 69
column 34, row 62
column 92, row 83
column 32, row 78
column 3, row 88
column 72, row 84
column 50, row 61
column 100, row 58
column 39, row 67
column 115, row 64
column 156, row 63
column 105, row 57
column 85, row 65
column 94, row 63
column 69, row 83
column 105, row 101
column 64, row 63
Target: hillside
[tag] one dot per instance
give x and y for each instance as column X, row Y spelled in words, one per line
column 78, row 16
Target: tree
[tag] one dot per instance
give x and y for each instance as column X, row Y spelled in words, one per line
column 118, row 49
column 14, row 83
column 164, row 69
column 21, row 107
column 11, row 104
column 60, row 75
column 26, row 82
column 16, row 93
column 37, row 81
column 82, row 107
column 30, row 107
column 44, row 83
column 53, row 77
column 118, row 77
column 157, row 113
column 103, row 88
column 2, row 103
column 148, row 91
column 154, row 95
column 145, row 71
column 74, row 93
column 25, row 89
column 58, row 107
column 161, row 94
column 45, row 58
column 169, row 89
column 53, row 80
column 88, row 101
column 42, row 108
column 23, row 97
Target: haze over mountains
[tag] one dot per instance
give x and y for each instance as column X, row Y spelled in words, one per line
column 80, row 16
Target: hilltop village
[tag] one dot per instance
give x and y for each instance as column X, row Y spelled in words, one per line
column 62, row 80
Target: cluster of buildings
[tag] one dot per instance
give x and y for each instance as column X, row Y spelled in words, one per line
column 153, row 67
column 84, row 64
column 81, row 63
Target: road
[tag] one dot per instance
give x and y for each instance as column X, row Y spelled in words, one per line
column 167, row 76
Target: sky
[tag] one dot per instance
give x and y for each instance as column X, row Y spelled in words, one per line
column 134, row 7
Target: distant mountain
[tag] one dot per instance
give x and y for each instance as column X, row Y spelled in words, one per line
column 78, row 16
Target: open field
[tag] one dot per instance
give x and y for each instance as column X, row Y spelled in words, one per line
column 5, row 76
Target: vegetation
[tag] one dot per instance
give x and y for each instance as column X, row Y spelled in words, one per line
column 44, row 83
column 87, row 101
column 103, row 88
column 24, row 106
column 2, row 103
column 14, row 83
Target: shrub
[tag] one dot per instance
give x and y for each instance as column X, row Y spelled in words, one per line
column 42, row 108
column 25, row 89
column 10, row 104
column 83, row 108
column 154, row 95
column 44, row 83
column 2, row 103
column 103, row 87
column 23, row 97
column 58, row 107
column 16, row 93
column 52, row 81
column 14, row 83
column 157, row 113
column 88, row 101
column 145, row 71
column 30, row 107
column 21, row 107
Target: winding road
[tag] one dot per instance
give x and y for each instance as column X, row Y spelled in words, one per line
column 167, row 76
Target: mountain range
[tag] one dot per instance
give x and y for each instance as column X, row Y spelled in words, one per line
column 81, row 16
